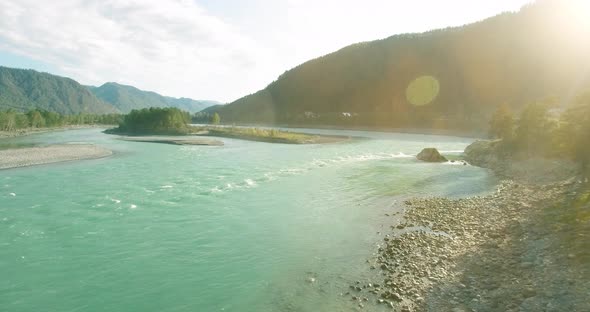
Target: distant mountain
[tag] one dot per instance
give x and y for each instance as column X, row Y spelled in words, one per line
column 191, row 105
column 213, row 108
column 126, row 98
column 451, row 78
column 25, row 89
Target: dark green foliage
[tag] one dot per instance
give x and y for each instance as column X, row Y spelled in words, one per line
column 155, row 120
column 534, row 130
column 24, row 90
column 215, row 119
column 36, row 120
column 8, row 121
column 127, row 98
column 511, row 58
column 502, row 124
column 575, row 131
column 11, row 120
column 201, row 117
column 539, row 133
column 204, row 117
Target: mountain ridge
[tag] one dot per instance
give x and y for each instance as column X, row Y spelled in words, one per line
column 127, row 98
column 27, row 89
column 512, row 58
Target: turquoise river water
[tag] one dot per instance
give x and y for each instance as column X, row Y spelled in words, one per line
column 241, row 227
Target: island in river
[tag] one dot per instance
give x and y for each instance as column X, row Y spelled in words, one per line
column 269, row 135
column 40, row 155
column 174, row 122
column 196, row 134
column 174, row 140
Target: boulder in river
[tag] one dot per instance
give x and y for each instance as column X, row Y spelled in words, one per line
column 431, row 154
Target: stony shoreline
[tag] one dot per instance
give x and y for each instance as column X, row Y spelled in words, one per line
column 31, row 156
column 485, row 253
column 30, row 131
column 525, row 247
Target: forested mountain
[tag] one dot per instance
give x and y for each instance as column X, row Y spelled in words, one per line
column 467, row 72
column 23, row 90
column 126, row 98
column 190, row 105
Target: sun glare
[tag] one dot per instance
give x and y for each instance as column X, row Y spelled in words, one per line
column 581, row 16
column 423, row 90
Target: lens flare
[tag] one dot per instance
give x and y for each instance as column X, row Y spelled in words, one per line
column 423, row 90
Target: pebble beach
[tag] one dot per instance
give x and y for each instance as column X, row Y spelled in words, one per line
column 23, row 157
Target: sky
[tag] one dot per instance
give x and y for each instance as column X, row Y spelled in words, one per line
column 208, row 49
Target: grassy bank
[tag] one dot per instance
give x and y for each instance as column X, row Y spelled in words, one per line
column 267, row 135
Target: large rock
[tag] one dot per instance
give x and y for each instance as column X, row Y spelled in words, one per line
column 518, row 166
column 431, row 154
column 483, row 153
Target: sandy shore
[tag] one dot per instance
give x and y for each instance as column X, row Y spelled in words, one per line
column 23, row 157
column 174, row 140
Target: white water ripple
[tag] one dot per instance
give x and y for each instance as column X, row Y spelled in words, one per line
column 313, row 165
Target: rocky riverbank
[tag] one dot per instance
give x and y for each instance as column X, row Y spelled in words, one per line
column 525, row 247
column 531, row 169
column 29, row 131
column 23, row 157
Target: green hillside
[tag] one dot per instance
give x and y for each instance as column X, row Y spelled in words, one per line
column 127, row 98
column 451, row 78
column 23, row 90
column 190, row 105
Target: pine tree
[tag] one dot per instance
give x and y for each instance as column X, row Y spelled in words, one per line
column 534, row 129
column 502, row 124
column 215, row 119
column 36, row 120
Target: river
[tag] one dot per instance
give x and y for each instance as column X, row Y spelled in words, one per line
column 242, row 227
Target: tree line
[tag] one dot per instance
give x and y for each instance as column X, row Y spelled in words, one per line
column 161, row 120
column 205, row 117
column 155, row 120
column 11, row 120
column 544, row 130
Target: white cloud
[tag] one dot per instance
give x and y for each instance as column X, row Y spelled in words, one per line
column 172, row 47
column 217, row 50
